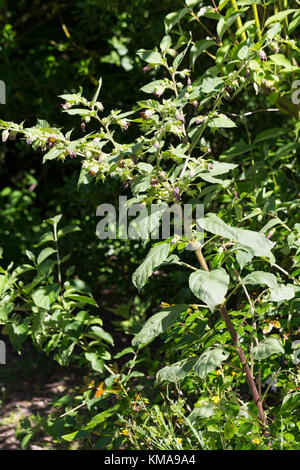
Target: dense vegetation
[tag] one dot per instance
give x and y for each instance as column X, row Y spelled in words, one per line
column 182, row 342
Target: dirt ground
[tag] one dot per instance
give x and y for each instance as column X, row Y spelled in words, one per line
column 28, row 385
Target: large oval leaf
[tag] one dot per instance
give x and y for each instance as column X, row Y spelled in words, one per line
column 268, row 347
column 157, row 255
column 158, row 324
column 209, row 360
column 210, row 287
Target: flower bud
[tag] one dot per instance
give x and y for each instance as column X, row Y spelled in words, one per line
column 262, row 56
column 195, row 103
column 87, row 119
column 71, row 153
column 28, row 141
column 93, row 170
column 66, row 105
column 82, row 125
column 52, row 140
column 5, row 135
column 124, row 124
column 270, row 234
column 177, row 193
column 154, row 182
column 181, row 118
column 96, row 139
column 99, row 106
column 156, row 145
column 189, row 82
column 146, row 114
column 159, row 91
column 147, row 68
column 199, row 119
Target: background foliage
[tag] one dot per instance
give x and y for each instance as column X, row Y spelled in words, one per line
column 72, row 294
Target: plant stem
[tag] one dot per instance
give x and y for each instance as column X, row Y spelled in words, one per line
column 235, row 339
column 239, row 22
column 257, row 22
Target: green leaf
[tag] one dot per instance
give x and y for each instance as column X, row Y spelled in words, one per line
column 290, row 402
column 96, row 363
column 100, row 333
column 270, row 134
column 198, row 48
column 165, row 43
column 147, row 224
column 152, row 86
column 279, row 16
column 44, row 297
column 177, row 371
column 155, row 257
column 281, row 293
column 97, row 91
column 173, row 18
column 280, row 59
column 206, row 410
column 44, row 254
column 140, row 184
column 53, row 153
column 209, row 361
column 211, row 84
column 255, row 241
column 152, row 57
column 158, row 323
column 260, row 277
column 268, row 347
column 85, row 177
column 210, row 287
column 82, row 299
column 222, row 121
column 67, row 229
column 230, row 431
